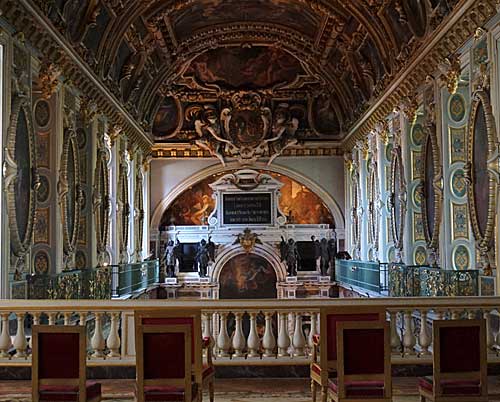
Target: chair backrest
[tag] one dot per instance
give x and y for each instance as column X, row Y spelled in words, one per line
column 58, row 358
column 330, row 317
column 163, row 354
column 459, row 352
column 189, row 317
column 363, row 353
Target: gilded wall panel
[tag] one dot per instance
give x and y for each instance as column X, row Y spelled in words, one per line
column 460, row 220
column 42, row 226
column 457, row 144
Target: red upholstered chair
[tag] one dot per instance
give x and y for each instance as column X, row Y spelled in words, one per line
column 324, row 361
column 202, row 373
column 363, row 363
column 460, row 362
column 58, row 365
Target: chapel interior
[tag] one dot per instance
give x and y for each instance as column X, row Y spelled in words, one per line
column 249, row 200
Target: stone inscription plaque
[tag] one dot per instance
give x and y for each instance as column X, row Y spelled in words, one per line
column 247, row 209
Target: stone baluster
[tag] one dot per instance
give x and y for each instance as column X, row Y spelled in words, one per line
column 490, row 340
column 20, row 342
column 223, row 340
column 83, row 319
column 239, row 342
column 312, row 332
column 318, row 323
column 98, row 342
column 455, row 314
column 424, row 339
column 291, row 329
column 299, row 341
column 52, row 318
column 5, row 341
column 409, row 340
column 207, row 328
column 283, row 336
column 67, row 318
column 471, row 314
column 268, row 341
column 395, row 340
column 113, row 342
column 253, row 342
column 36, row 321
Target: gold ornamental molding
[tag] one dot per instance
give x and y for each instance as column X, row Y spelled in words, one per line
column 37, row 29
column 445, row 41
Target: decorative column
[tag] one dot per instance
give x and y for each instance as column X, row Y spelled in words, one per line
column 362, row 147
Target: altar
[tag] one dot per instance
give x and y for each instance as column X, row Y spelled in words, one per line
column 248, row 231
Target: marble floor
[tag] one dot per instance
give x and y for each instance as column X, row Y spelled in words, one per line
column 237, row 390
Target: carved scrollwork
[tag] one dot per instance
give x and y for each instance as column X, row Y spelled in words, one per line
column 70, row 195
column 373, row 208
column 356, row 211
column 481, row 171
column 101, row 202
column 21, row 180
column 397, row 199
column 123, row 205
column 139, row 210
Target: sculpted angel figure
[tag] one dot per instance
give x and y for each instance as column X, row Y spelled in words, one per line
column 283, row 131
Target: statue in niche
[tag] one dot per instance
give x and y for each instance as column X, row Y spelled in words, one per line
column 332, row 252
column 204, row 255
column 289, row 255
column 322, row 252
column 178, row 255
column 170, row 259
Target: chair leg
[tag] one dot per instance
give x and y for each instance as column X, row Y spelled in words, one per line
column 324, row 394
column 313, row 390
column 211, row 390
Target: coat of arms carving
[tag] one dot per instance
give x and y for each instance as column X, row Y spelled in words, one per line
column 245, row 129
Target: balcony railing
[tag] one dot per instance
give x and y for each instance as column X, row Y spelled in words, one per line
column 266, row 332
column 410, row 281
column 371, row 276
column 129, row 279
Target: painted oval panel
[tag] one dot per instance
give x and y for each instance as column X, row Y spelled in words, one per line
column 71, row 197
column 480, row 169
column 429, row 192
column 398, row 185
column 22, row 185
column 167, row 118
column 247, row 276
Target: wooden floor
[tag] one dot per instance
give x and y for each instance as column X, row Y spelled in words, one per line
column 237, row 390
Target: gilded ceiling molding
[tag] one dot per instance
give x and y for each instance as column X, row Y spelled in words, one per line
column 446, row 40
column 48, row 79
column 26, row 17
column 451, row 71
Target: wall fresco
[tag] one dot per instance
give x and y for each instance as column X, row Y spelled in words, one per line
column 247, row 276
column 297, row 202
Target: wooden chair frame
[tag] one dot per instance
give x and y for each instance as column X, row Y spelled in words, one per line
column 321, row 349
column 80, row 382
column 386, row 377
column 481, row 375
column 186, row 382
column 197, row 366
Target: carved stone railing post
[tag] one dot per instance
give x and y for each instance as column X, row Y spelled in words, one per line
column 253, row 342
column 113, row 342
column 424, row 339
column 268, row 341
column 20, row 342
column 395, row 340
column 52, row 318
column 223, row 340
column 489, row 330
column 283, row 336
column 5, row 341
column 97, row 342
column 312, row 332
column 299, row 341
column 67, row 318
column 239, row 342
column 409, row 341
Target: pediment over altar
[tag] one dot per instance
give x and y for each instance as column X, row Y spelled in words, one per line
column 246, row 198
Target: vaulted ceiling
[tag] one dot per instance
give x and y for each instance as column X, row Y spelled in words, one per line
column 327, row 60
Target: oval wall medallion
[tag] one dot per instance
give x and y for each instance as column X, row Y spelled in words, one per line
column 81, row 138
column 458, row 184
column 43, row 190
column 80, row 260
column 420, row 256
column 42, row 113
column 41, row 262
column 417, row 195
column 461, row 258
column 456, row 108
column 388, row 152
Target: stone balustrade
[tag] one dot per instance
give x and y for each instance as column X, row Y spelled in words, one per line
column 266, row 332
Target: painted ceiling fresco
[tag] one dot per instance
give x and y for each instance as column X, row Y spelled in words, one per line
column 297, row 202
column 333, row 58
